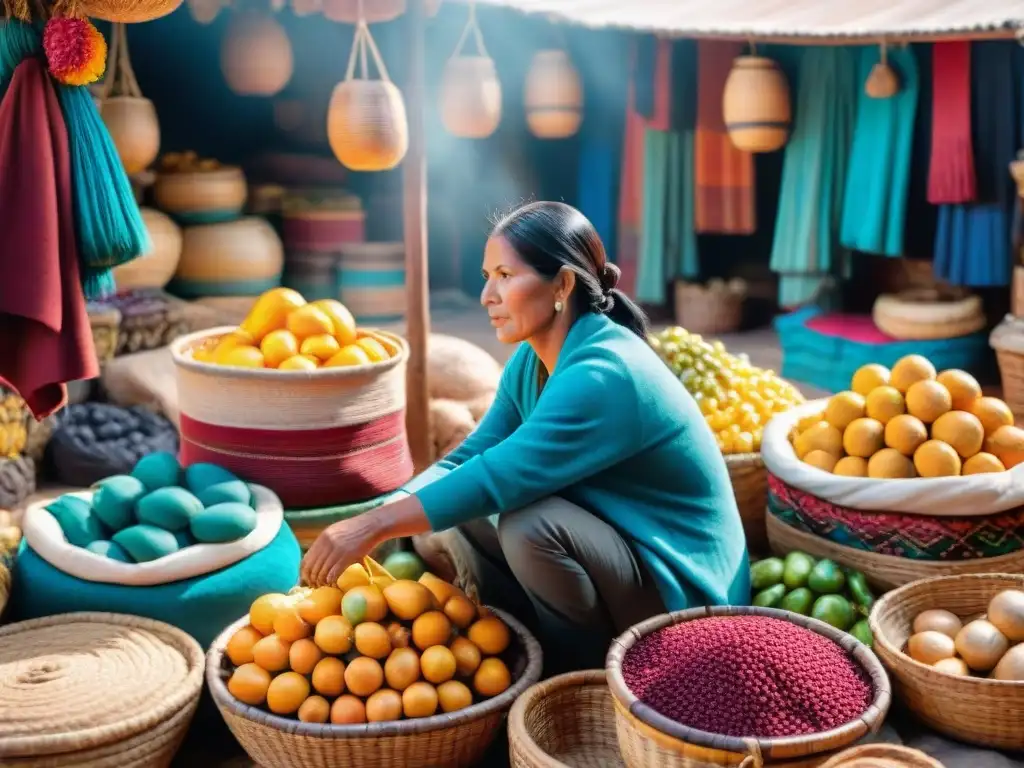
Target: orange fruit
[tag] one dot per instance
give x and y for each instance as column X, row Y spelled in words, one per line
column 249, row 684
column 891, row 464
column 364, row 676
column 299, row 363
column 322, row 347
column 937, row 459
column 962, row 387
column 315, row 709
column 821, row 436
column 242, row 356
column 851, row 466
column 271, row 311
column 492, row 678
column 348, row 710
column 906, row 434
column 490, row 635
column 460, row 610
column 844, row 408
column 227, row 342
column 277, row 346
column 264, row 610
column 348, row 355
column 823, row 461
column 467, row 656
column 303, row 656
column 407, row 599
column 884, row 404
column 438, row 664
column 384, row 706
column 962, row 430
column 376, row 351
column 909, row 370
column 864, row 438
column 372, row 640
column 329, row 676
column 286, row 693
column 341, row 319
column 288, row 625
column 993, row 413
column 1007, row 445
column 334, row 634
column 419, row 700
column 453, row 696
column 982, row 463
column 239, row 647
column 271, row 653
column 402, row 668
column 928, row 400
column 320, row 603
column 868, row 377
column 431, row 628
column 309, row 320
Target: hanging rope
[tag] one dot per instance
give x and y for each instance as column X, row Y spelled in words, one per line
column 471, row 28
column 120, row 79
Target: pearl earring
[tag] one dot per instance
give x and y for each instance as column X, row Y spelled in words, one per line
column 558, row 306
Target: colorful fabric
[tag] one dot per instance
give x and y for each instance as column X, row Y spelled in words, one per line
column 951, row 170
column 914, row 537
column 630, row 195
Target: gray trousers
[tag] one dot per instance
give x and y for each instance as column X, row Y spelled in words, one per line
column 564, row 572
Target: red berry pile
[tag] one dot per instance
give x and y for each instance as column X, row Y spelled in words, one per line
column 747, row 676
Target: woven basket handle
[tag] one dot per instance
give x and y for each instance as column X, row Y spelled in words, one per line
column 362, row 43
column 120, row 78
column 754, row 759
column 472, row 27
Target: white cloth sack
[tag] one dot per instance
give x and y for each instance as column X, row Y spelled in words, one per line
column 974, row 495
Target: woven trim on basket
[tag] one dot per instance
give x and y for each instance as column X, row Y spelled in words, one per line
column 912, row 537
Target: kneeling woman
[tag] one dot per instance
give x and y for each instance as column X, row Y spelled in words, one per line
column 592, row 495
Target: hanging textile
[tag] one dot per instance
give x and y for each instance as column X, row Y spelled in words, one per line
column 806, row 248
column 973, row 241
column 922, row 216
column 724, row 201
column 646, row 53
column 951, row 171
column 875, row 206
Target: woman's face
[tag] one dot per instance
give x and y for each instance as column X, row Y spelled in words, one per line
column 519, row 301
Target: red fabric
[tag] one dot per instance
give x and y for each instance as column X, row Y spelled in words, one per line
column 951, row 177
column 45, row 336
column 859, row 328
column 661, row 120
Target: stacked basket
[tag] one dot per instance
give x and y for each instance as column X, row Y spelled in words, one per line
column 315, row 230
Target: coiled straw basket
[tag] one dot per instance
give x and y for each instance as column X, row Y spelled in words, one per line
column 128, row 11
column 976, row 710
column 96, row 690
column 442, row 741
column 647, row 738
column 882, row 756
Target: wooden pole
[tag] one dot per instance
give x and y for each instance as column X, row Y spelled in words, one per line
column 414, row 203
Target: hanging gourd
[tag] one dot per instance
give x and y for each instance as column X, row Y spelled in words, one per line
column 127, row 11
column 129, row 116
column 756, row 106
column 470, row 89
column 256, row 55
column 370, row 11
column 554, row 95
column 882, row 82
column 366, row 122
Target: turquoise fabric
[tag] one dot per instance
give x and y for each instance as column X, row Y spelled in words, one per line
column 201, row 606
column 198, row 289
column 615, row 433
column 878, row 181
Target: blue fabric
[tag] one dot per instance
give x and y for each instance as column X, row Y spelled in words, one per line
column 878, row 180
column 614, row 432
column 201, row 606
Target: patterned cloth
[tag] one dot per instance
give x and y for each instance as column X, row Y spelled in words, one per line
column 915, row 537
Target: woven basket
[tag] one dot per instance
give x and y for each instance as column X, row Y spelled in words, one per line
column 442, row 741
column 128, row 11
column 1007, row 339
column 201, row 197
column 703, row 311
column 883, row 571
column 96, row 690
column 234, row 258
column 256, row 55
column 470, row 99
column 647, row 738
column 882, row 756
column 307, row 524
column 1018, row 292
column 750, row 486
column 919, row 315
column 971, row 709
column 130, row 117
column 553, row 95
column 567, row 720
column 156, row 268
column 105, row 324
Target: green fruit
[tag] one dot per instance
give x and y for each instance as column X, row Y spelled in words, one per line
column 199, row 477
column 859, row 590
column 110, row 550
column 835, row 610
column 862, row 632
column 799, row 601
column 404, row 565
column 229, row 521
column 114, row 501
column 766, row 573
column 769, row 598
column 157, row 470
column 826, row 578
column 146, row 542
column 353, row 608
column 796, row 570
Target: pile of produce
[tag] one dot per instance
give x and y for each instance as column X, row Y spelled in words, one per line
column 820, row 589
column 736, row 398
column 157, row 510
column 187, row 162
column 284, row 332
column 910, row 422
column 13, row 424
column 747, row 676
column 372, row 649
column 991, row 645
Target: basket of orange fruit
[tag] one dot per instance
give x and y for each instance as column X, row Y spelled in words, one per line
column 909, row 474
column 300, row 399
column 373, row 671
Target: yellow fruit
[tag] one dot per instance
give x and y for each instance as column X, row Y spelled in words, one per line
column 851, row 466
column 909, row 370
column 402, row 668
column 928, row 400
column 890, row 464
column 329, row 676
column 809, row 421
column 384, row 706
column 376, row 351
column 227, row 342
column 467, row 656
column 936, row 459
column 353, row 576
column 1007, row 445
column 864, row 438
column 322, row 347
column 277, row 346
column 453, row 696
column 962, row 387
column 271, row 311
column 821, row 436
column 884, row 404
column 408, row 599
column 204, row 351
column 309, row 320
column 372, row 640
column 490, row 635
column 348, row 710
column 315, row 709
column 364, row 604
column 823, row 461
column 249, row 684
column 334, row 634
column 264, row 610
column 492, row 678
column 319, row 604
column 271, row 653
column 906, row 434
column 304, row 655
column 437, row 664
column 439, row 588
column 350, row 355
column 242, row 357
column 286, row 693
column 432, row 628
column 982, row 463
column 993, row 413
column 844, row 408
column 239, row 647
column 288, row 625
column 298, row 363
column 962, row 430
column 461, row 611
column 419, row 700
column 868, row 377
column 341, row 319
column 380, row 577
column 364, row 676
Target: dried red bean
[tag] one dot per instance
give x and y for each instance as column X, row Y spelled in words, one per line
column 748, row 676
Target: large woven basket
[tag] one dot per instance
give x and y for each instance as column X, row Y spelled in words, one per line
column 442, row 741
column 567, row 720
column 316, row 438
column 1007, row 339
column 128, row 11
column 700, row 310
column 750, row 485
column 976, row 710
column 647, row 738
column 202, row 197
column 882, row 756
column 95, row 690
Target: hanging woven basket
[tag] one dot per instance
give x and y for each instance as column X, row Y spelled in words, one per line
column 205, row 11
column 127, row 11
column 756, row 105
column 256, row 56
column 882, row 82
column 130, row 117
column 366, row 121
column 470, row 89
column 554, row 96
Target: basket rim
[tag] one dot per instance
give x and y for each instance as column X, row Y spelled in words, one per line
column 931, row 583
column 846, row 733
column 217, row 174
column 227, row 703
column 182, row 360
column 134, row 723
column 517, row 730
column 339, row 511
column 753, row 458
